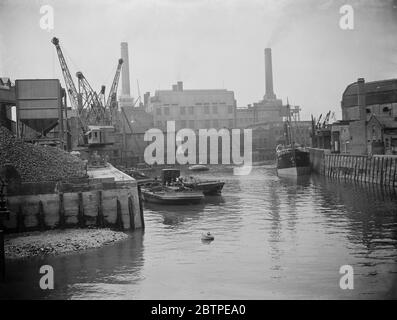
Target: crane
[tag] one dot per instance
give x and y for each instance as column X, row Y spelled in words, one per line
column 112, row 98
column 71, row 88
column 91, row 107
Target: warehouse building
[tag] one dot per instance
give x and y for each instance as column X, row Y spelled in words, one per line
column 369, row 118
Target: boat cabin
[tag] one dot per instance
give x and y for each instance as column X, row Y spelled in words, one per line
column 169, row 176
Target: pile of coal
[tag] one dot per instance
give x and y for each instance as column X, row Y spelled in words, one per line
column 36, row 163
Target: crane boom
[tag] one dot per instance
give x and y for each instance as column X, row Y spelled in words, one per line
column 112, row 98
column 71, row 88
column 93, row 110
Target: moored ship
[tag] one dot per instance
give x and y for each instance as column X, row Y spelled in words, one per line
column 292, row 161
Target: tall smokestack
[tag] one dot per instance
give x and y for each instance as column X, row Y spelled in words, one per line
column 125, row 99
column 269, row 75
column 125, row 72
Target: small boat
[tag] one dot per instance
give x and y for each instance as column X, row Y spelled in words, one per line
column 171, row 177
column 199, row 167
column 207, row 236
column 171, row 197
column 208, row 187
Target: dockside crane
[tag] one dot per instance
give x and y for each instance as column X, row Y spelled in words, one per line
column 111, row 102
column 71, row 88
column 91, row 107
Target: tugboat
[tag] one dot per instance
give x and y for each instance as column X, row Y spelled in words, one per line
column 292, row 160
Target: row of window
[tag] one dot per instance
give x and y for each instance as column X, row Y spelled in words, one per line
column 197, row 124
column 190, row 110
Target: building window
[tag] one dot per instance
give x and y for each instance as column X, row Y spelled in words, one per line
column 206, row 109
column 216, row 123
column 230, row 109
column 183, row 123
column 191, row 124
column 183, row 110
column 207, row 123
column 159, row 124
column 231, row 123
column 214, row 109
column 166, row 111
column 158, row 111
column 191, row 110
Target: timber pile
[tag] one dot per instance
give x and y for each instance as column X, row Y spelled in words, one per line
column 37, row 163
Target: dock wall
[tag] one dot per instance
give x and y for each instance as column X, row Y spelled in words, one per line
column 378, row 169
column 117, row 207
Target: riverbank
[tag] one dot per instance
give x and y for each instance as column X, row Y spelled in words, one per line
column 54, row 242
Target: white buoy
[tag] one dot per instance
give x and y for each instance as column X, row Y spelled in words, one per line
column 207, row 236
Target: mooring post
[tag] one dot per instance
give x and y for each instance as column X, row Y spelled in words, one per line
column 141, row 207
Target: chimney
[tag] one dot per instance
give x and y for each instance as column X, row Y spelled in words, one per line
column 361, row 98
column 180, row 85
column 269, row 75
column 125, row 72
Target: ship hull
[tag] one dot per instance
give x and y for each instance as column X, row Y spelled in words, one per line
column 293, row 163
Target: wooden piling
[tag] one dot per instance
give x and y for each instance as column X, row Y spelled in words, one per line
column 62, row 219
column 80, row 215
column 119, row 219
column 20, row 219
column 100, row 220
column 41, row 217
column 131, row 213
column 141, row 207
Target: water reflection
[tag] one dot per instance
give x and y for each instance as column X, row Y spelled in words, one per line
column 274, row 238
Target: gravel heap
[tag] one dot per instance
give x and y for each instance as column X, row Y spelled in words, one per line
column 37, row 163
column 53, row 242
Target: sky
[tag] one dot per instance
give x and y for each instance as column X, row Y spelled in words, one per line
column 208, row 44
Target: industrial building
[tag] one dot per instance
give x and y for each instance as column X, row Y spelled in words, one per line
column 369, row 119
column 193, row 108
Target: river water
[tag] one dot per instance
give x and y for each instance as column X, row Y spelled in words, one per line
column 274, row 238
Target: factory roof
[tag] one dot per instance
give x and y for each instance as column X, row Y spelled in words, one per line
column 377, row 92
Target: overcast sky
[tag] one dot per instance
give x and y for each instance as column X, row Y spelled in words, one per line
column 208, row 44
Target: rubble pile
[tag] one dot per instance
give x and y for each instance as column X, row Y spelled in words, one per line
column 37, row 163
column 53, row 242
